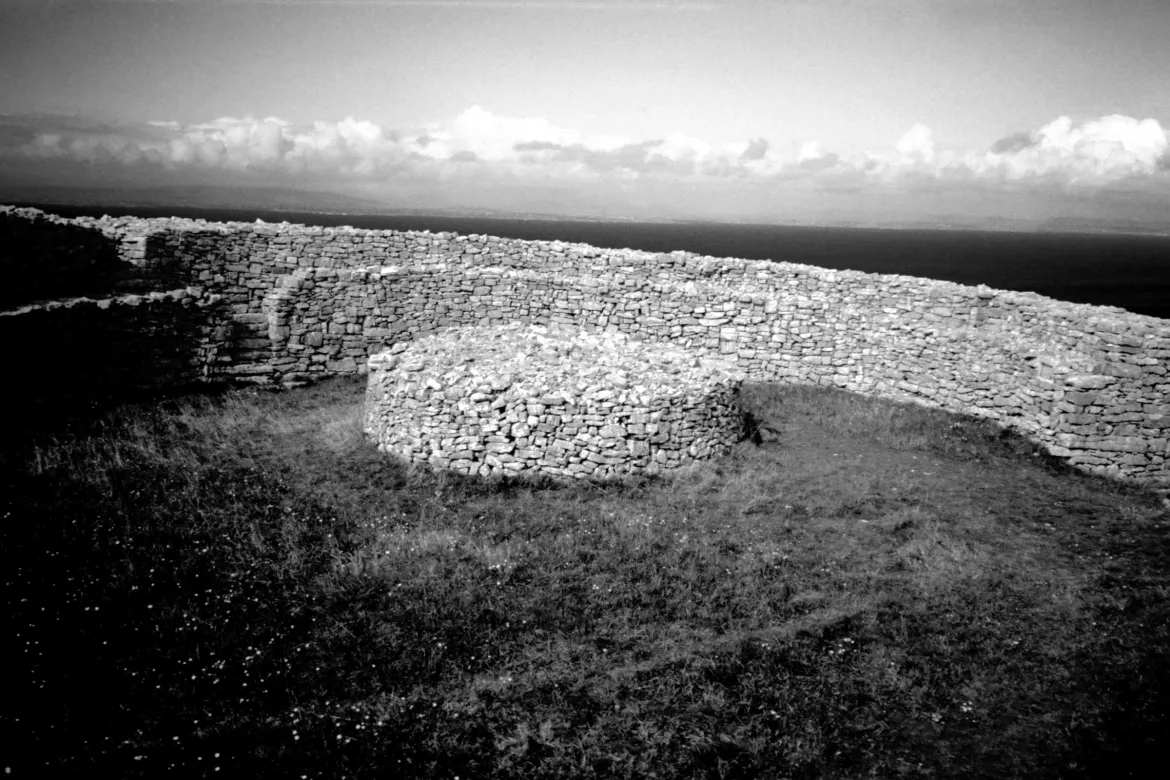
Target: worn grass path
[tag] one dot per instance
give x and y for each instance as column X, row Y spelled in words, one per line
column 241, row 586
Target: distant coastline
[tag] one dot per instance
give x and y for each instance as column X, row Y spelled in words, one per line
column 280, row 201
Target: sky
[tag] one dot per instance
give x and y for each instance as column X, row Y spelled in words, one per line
column 825, row 112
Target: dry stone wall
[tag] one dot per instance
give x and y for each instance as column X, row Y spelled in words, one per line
column 84, row 349
column 293, row 303
column 44, row 256
column 515, row 399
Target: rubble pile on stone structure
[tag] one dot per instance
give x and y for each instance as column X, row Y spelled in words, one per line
column 516, row 399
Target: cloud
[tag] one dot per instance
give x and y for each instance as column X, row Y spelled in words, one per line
column 629, row 158
column 272, row 145
column 536, row 146
column 813, row 157
column 349, row 146
column 494, row 137
column 757, row 149
column 625, row 159
column 677, row 155
column 50, row 138
column 1013, row 143
column 1096, row 151
column 917, row 145
column 235, row 143
column 1113, row 151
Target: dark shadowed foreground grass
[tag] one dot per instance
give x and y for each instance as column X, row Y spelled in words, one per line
column 242, row 586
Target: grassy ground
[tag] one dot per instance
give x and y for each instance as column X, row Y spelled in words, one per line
column 241, row 586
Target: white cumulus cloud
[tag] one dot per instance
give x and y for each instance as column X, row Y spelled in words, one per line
column 679, row 146
column 237, row 143
column 493, row 147
column 1096, row 151
column 348, row 146
column 917, row 145
column 494, row 137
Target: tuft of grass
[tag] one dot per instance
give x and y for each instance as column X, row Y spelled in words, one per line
column 241, row 585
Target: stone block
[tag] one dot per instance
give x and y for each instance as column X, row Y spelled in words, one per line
column 1081, row 398
column 1090, row 381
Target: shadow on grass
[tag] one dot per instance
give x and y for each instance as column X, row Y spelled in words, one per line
column 243, row 581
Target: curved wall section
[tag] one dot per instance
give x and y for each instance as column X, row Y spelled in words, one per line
column 294, row 303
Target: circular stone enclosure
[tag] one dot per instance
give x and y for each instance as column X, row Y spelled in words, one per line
column 524, row 399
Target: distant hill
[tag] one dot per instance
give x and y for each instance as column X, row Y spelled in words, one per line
column 1081, row 225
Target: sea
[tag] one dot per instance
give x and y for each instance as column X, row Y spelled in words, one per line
column 1128, row 271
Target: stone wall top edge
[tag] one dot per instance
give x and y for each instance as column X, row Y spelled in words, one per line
column 36, row 215
column 1089, row 315
column 192, row 295
column 1080, row 311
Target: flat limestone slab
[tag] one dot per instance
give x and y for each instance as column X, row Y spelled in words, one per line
column 526, row 399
